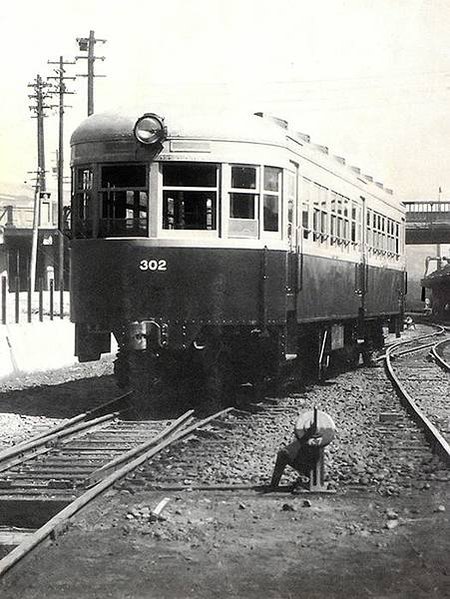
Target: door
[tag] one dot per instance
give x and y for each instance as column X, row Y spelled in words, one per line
column 362, row 268
column 293, row 255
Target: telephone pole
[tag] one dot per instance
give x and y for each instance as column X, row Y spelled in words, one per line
column 438, row 246
column 86, row 44
column 61, row 90
column 40, row 95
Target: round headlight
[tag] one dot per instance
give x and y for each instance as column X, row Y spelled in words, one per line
column 149, row 129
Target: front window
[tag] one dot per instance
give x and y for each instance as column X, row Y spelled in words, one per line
column 190, row 192
column 124, row 200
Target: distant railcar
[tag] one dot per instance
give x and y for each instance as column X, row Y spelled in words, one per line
column 226, row 247
column 439, row 283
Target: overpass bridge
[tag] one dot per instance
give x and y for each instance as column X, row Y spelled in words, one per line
column 427, row 222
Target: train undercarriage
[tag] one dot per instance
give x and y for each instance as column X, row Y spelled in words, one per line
column 223, row 361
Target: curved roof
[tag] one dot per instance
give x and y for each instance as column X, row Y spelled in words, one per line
column 438, row 277
column 222, row 125
column 112, row 126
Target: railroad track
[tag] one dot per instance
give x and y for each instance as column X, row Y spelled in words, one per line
column 57, row 474
column 441, row 353
column 205, row 463
column 46, row 480
column 422, row 386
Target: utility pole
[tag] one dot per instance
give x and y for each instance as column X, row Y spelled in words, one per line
column 40, row 95
column 86, row 44
column 36, row 211
column 438, row 246
column 61, row 90
column 34, row 239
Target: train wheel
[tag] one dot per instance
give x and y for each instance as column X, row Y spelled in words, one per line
column 146, row 382
column 219, row 378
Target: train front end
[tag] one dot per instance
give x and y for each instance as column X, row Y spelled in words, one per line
column 182, row 278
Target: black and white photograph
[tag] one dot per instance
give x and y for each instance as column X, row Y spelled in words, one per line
column 225, row 299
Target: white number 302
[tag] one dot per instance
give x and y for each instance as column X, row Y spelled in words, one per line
column 153, row 265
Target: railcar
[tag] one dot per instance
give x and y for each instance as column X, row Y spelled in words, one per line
column 224, row 247
column 439, row 283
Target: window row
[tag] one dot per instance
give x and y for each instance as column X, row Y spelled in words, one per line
column 330, row 219
column 191, row 195
column 191, row 199
column 197, row 196
column 383, row 233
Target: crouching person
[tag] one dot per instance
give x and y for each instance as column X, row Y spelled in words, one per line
column 312, row 432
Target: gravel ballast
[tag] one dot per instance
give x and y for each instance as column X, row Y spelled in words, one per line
column 383, row 533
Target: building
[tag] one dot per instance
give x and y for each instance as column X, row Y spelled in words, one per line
column 16, row 233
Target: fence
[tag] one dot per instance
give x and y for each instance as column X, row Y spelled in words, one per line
column 24, row 306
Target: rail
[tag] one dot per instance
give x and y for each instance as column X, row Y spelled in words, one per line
column 438, row 444
column 437, row 352
column 43, row 443
column 178, row 431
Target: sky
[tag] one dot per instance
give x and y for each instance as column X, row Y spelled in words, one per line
column 370, row 79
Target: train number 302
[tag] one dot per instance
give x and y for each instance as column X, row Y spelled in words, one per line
column 153, row 265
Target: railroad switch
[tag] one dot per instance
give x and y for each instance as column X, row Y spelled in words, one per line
column 313, row 431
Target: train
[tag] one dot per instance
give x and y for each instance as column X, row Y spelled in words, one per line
column 438, row 282
column 224, row 248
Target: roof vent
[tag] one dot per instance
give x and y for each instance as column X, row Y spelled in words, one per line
column 339, row 159
column 389, row 191
column 280, row 122
column 303, row 136
column 368, row 178
column 355, row 169
column 322, row 149
column 380, row 185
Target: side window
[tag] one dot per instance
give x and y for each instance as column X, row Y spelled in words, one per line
column 244, row 201
column 355, row 233
column 271, row 199
column 320, row 213
column 255, row 201
column 306, row 192
column 190, row 196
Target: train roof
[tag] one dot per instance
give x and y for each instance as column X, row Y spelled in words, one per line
column 111, row 126
column 224, row 126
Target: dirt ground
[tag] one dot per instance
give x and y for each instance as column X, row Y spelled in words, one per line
column 243, row 544
column 246, row 545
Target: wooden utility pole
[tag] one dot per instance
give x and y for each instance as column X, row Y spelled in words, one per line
column 438, row 246
column 34, row 239
column 61, row 90
column 40, row 95
column 86, row 44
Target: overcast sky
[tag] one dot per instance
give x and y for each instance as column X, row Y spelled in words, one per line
column 368, row 78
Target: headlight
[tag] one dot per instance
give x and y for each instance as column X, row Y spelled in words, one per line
column 149, row 129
